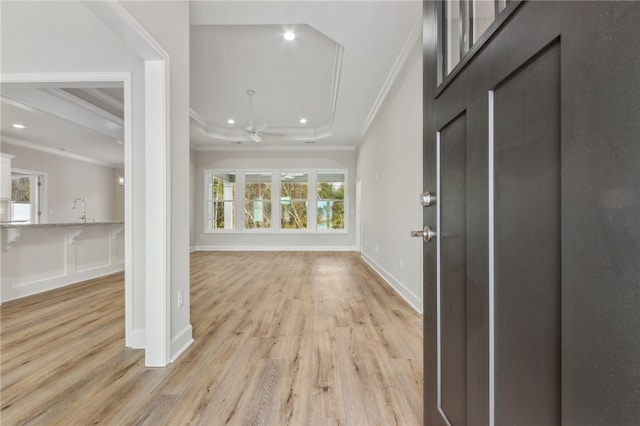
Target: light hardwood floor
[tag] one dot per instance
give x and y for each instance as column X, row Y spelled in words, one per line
column 280, row 338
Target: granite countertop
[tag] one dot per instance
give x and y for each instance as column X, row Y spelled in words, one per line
column 44, row 225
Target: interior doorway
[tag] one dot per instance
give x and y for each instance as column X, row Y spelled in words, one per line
column 30, row 187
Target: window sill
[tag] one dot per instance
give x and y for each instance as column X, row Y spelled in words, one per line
column 272, row 232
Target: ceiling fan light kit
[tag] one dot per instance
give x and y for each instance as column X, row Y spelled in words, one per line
column 252, row 132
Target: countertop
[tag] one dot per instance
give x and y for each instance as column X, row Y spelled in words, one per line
column 44, row 225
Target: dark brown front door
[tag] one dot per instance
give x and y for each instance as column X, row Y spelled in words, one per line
column 532, row 285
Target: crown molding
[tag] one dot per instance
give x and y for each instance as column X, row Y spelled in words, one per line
column 410, row 41
column 117, row 18
column 335, row 83
column 234, row 134
column 290, row 133
column 280, row 148
column 106, row 98
column 68, row 97
column 64, row 106
column 35, row 147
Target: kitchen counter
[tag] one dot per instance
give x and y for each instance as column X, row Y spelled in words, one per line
column 40, row 257
column 43, row 225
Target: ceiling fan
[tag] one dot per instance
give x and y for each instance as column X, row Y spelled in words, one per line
column 254, row 133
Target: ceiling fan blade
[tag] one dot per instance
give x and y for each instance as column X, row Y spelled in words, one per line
column 254, row 137
column 262, row 127
column 273, row 134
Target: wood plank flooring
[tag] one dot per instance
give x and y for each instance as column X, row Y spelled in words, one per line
column 281, row 338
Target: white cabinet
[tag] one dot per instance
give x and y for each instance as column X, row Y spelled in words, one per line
column 5, row 186
column 5, row 176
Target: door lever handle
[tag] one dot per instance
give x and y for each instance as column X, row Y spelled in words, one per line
column 427, row 234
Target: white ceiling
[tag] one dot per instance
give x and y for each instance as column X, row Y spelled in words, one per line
column 292, row 80
column 80, row 122
column 336, row 74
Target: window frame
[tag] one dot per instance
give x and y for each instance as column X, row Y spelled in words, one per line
column 38, row 204
column 244, row 201
column 504, row 10
column 207, row 202
column 312, row 227
column 344, row 200
column 309, row 179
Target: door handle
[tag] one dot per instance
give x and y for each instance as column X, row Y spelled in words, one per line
column 427, row 234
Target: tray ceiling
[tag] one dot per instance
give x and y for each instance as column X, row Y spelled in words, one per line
column 335, row 74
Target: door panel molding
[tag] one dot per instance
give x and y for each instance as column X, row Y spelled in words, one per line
column 452, row 279
column 527, row 276
column 492, row 257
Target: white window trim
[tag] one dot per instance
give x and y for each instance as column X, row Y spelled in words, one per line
column 275, row 202
column 205, row 194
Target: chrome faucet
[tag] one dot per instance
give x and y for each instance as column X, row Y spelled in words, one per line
column 84, row 208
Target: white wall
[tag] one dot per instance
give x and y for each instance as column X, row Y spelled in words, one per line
column 192, row 199
column 67, row 179
column 59, row 36
column 263, row 159
column 168, row 23
column 389, row 164
column 118, row 196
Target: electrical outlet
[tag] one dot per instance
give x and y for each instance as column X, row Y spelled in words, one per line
column 180, row 298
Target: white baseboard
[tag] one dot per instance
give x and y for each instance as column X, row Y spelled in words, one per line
column 193, row 248
column 401, row 289
column 135, row 339
column 181, row 342
column 275, row 248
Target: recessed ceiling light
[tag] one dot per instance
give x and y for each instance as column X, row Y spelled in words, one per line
column 19, row 126
column 231, row 121
column 289, row 36
column 303, row 121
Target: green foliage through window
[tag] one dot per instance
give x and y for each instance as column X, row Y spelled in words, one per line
column 21, row 190
column 330, row 202
column 257, row 205
column 303, row 200
column 222, row 200
column 294, row 192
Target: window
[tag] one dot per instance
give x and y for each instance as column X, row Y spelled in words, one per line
column 257, row 200
column 27, row 197
column 452, row 41
column 247, row 200
column 462, row 24
column 294, row 191
column 330, row 201
column 221, row 192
